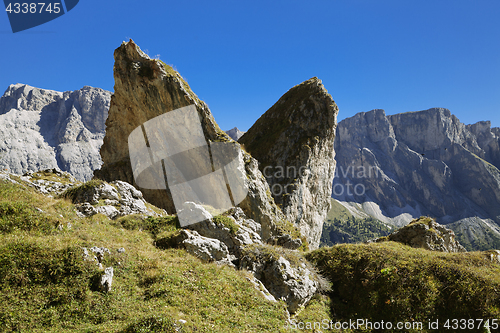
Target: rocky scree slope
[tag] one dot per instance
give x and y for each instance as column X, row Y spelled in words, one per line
column 42, row 129
column 293, row 142
column 397, row 168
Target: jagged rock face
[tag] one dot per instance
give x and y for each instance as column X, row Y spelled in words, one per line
column 397, row 168
column 146, row 88
column 44, row 129
column 235, row 133
column 427, row 234
column 293, row 142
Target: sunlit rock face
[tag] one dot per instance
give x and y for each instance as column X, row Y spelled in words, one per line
column 397, row 168
column 147, row 90
column 293, row 142
column 44, row 129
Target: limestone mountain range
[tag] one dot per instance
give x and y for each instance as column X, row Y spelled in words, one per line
column 399, row 167
column 44, row 129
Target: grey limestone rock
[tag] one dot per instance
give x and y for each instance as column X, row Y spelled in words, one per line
column 146, row 88
column 284, row 273
column 107, row 279
column 293, row 142
column 44, row 129
column 113, row 200
column 247, row 230
column 397, row 168
column 427, row 234
column 207, row 249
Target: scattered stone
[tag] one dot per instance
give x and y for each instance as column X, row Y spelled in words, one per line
column 237, row 232
column 109, row 211
column 121, row 250
column 85, row 209
column 493, row 255
column 207, row 249
column 119, row 198
column 107, row 279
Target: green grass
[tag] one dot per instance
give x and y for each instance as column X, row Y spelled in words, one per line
column 46, row 286
column 226, row 222
column 50, row 176
column 74, row 192
column 394, row 282
column 19, row 210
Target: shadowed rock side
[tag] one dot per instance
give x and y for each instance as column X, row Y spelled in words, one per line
column 146, row 88
column 44, row 129
column 397, row 168
column 293, row 142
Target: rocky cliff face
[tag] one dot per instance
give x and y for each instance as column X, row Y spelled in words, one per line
column 397, row 168
column 44, row 129
column 293, row 142
column 146, row 88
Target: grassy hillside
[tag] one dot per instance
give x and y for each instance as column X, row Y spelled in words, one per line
column 46, row 286
column 342, row 227
column 396, row 283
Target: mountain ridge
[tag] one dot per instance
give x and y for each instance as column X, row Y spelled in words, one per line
column 46, row 129
column 419, row 163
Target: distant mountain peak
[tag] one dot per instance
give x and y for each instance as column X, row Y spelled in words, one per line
column 235, row 133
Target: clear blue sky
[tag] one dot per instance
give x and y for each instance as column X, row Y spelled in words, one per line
column 241, row 56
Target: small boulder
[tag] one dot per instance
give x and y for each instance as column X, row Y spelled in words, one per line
column 426, row 233
column 234, row 230
column 207, row 249
column 284, row 273
column 107, row 279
